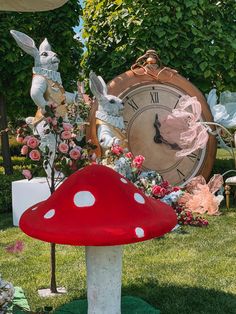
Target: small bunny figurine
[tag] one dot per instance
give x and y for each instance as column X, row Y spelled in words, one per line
column 109, row 118
column 46, row 89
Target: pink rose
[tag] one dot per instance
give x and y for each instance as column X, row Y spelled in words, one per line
column 49, row 120
column 24, row 150
column 35, row 155
column 129, row 155
column 138, row 161
column 26, row 139
column 33, row 142
column 19, row 139
column 117, row 150
column 74, row 154
column 27, row 174
column 158, row 191
column 67, row 126
column 66, row 135
column 63, row 148
column 175, row 189
column 165, row 184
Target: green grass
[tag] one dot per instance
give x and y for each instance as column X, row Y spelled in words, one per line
column 223, row 154
column 191, row 272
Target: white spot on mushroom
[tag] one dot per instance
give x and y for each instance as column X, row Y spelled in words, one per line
column 84, row 198
column 34, row 208
column 138, row 198
column 49, row 214
column 139, row 232
column 123, row 180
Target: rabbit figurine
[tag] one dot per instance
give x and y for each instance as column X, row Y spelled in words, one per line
column 46, row 85
column 109, row 118
column 46, row 89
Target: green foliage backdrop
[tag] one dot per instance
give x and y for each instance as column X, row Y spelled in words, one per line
column 196, row 37
column 15, row 65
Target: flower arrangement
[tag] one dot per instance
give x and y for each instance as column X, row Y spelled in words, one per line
column 62, row 148
column 6, row 295
column 151, row 183
column 123, row 162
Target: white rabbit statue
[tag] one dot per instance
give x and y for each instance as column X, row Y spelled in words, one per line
column 46, row 83
column 109, row 116
column 46, row 88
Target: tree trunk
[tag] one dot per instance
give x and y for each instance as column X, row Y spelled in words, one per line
column 7, row 164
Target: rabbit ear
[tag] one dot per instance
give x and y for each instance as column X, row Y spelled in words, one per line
column 45, row 46
column 104, row 85
column 25, row 43
column 96, row 85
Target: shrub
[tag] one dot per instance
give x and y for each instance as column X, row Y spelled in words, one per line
column 5, row 190
column 15, row 147
column 197, row 38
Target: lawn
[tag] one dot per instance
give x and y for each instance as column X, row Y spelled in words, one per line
column 192, row 271
column 187, row 272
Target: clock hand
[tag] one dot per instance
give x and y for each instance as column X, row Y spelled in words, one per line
column 158, row 138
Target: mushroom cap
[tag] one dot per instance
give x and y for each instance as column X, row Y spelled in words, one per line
column 96, row 206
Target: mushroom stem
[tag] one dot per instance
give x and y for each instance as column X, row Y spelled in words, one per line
column 104, row 268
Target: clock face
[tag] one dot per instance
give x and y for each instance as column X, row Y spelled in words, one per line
column 145, row 105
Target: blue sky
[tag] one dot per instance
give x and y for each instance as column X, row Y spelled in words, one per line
column 78, row 28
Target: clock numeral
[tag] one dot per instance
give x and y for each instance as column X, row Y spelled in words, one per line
column 193, row 157
column 133, row 104
column 154, row 97
column 181, row 175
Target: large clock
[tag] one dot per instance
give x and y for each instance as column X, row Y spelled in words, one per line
column 149, row 93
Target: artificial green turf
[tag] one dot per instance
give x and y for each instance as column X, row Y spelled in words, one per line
column 129, row 305
column 190, row 272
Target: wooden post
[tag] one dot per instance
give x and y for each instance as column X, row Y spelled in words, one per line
column 7, row 164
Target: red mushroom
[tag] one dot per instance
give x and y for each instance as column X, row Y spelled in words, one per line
column 98, row 208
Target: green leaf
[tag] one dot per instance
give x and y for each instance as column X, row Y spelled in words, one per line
column 207, row 73
column 165, row 19
column 231, row 57
column 197, row 50
column 233, row 44
column 203, row 65
column 118, row 2
column 179, row 15
column 232, row 73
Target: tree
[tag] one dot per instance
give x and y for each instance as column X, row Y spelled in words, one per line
column 15, row 65
column 196, row 37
